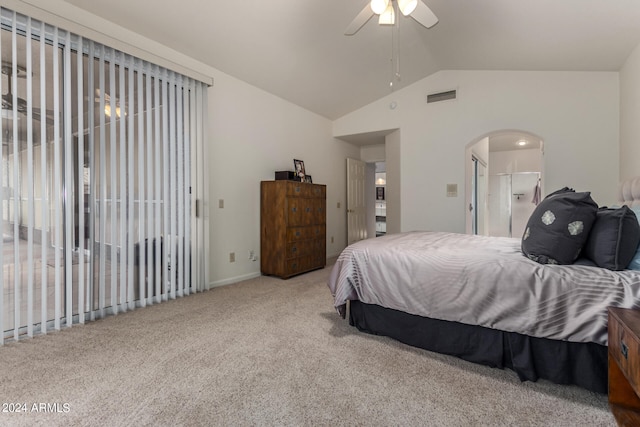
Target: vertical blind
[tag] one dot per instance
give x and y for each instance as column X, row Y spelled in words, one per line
column 102, row 175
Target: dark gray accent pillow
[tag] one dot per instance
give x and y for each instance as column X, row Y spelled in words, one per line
column 613, row 239
column 559, row 227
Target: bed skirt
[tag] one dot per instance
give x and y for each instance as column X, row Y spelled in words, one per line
column 561, row 362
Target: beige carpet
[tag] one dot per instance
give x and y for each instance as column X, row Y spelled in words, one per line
column 265, row 352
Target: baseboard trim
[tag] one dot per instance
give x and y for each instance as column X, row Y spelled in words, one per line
column 235, row 279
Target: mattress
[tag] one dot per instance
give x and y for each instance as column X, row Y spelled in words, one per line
column 485, row 281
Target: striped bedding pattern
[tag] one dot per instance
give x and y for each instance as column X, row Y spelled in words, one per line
column 484, row 281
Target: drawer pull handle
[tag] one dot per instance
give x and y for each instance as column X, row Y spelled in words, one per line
column 624, row 349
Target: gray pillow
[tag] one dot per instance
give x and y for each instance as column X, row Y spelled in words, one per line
column 613, row 239
column 559, row 227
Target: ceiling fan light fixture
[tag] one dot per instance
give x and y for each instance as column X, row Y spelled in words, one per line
column 379, row 6
column 107, row 111
column 388, row 17
column 407, row 6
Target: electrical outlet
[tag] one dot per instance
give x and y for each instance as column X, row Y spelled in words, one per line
column 338, row 205
column 331, row 239
column 221, row 203
column 252, row 255
column 232, row 257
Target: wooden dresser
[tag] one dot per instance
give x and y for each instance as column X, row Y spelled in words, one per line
column 292, row 227
column 624, row 365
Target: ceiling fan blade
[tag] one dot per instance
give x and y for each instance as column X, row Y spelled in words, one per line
column 362, row 18
column 424, row 15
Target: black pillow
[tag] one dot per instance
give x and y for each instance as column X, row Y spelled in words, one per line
column 559, row 227
column 613, row 239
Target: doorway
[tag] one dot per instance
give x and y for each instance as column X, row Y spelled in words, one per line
column 504, row 170
column 377, row 147
column 366, row 200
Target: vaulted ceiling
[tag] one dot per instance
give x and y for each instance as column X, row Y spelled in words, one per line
column 296, row 49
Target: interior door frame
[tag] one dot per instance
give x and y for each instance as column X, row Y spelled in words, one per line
column 356, row 201
column 475, row 207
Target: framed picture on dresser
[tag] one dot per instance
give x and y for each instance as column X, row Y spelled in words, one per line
column 299, row 168
column 307, row 178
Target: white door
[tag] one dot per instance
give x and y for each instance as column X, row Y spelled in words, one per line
column 356, row 207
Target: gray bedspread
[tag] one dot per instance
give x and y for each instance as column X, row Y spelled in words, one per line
column 484, row 281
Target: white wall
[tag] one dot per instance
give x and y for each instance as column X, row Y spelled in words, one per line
column 372, row 153
column 630, row 116
column 252, row 134
column 575, row 113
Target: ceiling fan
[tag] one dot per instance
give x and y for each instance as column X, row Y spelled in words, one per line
column 21, row 104
column 386, row 11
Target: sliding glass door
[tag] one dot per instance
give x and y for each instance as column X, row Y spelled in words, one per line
column 98, row 180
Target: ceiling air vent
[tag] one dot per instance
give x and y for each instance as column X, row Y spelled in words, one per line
column 441, row 96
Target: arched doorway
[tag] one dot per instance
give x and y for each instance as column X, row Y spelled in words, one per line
column 504, row 171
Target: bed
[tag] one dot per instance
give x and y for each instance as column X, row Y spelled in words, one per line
column 479, row 298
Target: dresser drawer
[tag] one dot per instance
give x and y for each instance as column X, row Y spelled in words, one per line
column 295, row 234
column 318, row 191
column 317, row 231
column 301, row 248
column 298, row 265
column 298, row 189
column 300, row 211
column 624, row 347
column 319, row 213
column 320, row 247
column 303, row 189
column 305, row 263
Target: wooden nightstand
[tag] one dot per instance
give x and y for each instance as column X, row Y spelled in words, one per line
column 624, row 365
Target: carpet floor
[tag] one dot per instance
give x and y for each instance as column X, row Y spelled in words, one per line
column 263, row 352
